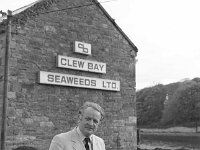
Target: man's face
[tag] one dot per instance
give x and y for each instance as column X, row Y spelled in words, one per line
column 89, row 121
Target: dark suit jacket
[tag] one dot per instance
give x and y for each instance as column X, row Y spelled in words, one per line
column 71, row 141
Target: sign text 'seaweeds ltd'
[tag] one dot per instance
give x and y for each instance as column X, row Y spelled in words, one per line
column 78, row 81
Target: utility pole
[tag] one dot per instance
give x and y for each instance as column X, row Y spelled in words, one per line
column 5, row 91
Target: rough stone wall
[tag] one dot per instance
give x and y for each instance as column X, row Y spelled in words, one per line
column 37, row 112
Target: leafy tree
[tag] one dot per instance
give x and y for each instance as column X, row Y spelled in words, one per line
column 196, row 80
column 150, row 104
column 170, row 107
column 184, row 105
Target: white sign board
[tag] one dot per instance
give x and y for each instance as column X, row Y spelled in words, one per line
column 78, row 81
column 83, row 48
column 80, row 64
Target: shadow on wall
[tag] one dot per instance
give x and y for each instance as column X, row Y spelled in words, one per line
column 25, row 148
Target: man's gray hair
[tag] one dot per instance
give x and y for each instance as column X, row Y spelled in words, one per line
column 93, row 105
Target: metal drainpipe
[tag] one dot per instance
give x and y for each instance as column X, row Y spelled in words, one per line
column 5, row 91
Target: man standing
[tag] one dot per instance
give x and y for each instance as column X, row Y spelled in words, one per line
column 82, row 137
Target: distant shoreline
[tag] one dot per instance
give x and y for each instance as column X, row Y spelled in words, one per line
column 171, row 130
column 172, row 134
column 171, row 138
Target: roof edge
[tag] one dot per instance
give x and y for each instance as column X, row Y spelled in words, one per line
column 115, row 24
column 22, row 14
column 27, row 12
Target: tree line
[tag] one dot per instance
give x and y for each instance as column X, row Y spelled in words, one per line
column 169, row 105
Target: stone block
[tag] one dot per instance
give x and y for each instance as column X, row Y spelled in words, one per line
column 119, row 123
column 19, row 112
column 40, row 119
column 11, row 112
column 11, row 94
column 28, row 121
column 132, row 119
column 46, row 124
column 12, row 44
column 50, row 29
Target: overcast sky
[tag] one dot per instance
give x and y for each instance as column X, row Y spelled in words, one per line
column 166, row 32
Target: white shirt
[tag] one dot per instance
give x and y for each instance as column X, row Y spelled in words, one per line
column 83, row 138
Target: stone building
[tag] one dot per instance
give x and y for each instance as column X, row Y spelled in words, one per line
column 63, row 53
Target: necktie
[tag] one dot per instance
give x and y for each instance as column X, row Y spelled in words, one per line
column 86, row 143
